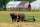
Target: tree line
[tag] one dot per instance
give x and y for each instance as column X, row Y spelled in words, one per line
column 4, row 2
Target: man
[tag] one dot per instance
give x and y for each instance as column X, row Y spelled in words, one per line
column 29, row 7
column 33, row 18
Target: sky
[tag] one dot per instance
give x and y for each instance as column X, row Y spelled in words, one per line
column 38, row 0
column 35, row 4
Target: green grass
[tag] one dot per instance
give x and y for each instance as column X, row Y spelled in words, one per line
column 5, row 15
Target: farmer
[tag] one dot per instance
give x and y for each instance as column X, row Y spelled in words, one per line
column 33, row 18
column 29, row 7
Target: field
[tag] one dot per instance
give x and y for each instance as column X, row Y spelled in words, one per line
column 5, row 19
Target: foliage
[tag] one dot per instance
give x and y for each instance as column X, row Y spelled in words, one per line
column 25, row 0
column 4, row 2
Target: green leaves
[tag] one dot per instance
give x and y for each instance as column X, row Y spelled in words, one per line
column 31, row 0
column 4, row 1
column 25, row 0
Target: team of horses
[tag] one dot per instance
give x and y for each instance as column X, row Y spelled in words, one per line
column 17, row 17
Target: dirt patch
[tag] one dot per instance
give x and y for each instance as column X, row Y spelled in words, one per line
column 20, row 24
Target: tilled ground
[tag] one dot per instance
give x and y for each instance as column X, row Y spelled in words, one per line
column 20, row 24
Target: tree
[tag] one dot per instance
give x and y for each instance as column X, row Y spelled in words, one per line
column 26, row 0
column 4, row 2
column 31, row 1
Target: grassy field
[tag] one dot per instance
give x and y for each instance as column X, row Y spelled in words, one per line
column 5, row 15
column 5, row 19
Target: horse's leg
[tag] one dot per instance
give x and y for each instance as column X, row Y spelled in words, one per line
column 12, row 19
column 15, row 18
column 18, row 19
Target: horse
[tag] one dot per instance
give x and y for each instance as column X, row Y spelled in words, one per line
column 13, row 16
